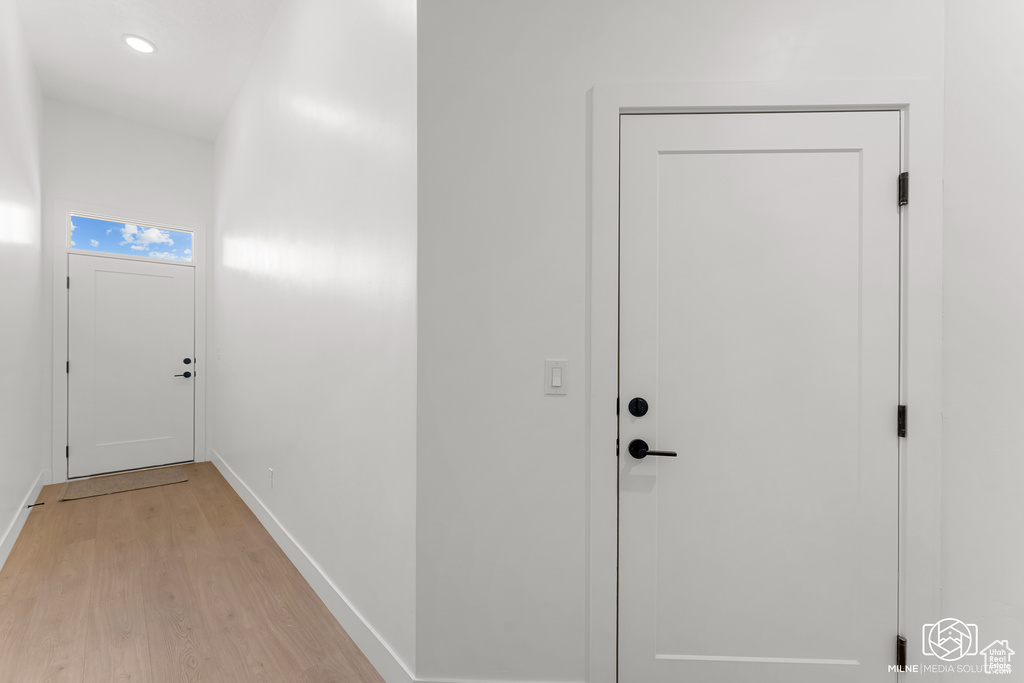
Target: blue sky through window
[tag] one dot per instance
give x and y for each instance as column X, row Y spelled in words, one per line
column 130, row 239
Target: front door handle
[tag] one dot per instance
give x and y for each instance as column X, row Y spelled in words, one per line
column 639, row 450
column 186, row 375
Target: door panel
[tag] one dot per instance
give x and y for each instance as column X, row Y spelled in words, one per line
column 759, row 317
column 131, row 324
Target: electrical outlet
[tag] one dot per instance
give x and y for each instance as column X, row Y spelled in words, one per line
column 271, row 476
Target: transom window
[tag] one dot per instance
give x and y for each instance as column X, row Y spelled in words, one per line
column 88, row 233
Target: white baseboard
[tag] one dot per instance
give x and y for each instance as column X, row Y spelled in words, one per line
column 384, row 659
column 14, row 528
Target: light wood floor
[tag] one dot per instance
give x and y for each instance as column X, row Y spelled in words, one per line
column 174, row 583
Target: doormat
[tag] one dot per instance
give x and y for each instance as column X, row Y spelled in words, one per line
column 118, row 483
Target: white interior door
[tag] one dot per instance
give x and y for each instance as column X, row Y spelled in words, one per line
column 131, row 340
column 759, row 318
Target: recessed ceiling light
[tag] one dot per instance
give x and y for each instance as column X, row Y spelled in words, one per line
column 140, row 44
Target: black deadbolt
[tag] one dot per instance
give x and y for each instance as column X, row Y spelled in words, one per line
column 638, row 407
column 187, row 361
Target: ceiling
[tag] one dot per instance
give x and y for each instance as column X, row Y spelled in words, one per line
column 204, row 51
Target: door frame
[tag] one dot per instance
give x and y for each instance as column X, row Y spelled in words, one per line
column 921, row 106
column 61, row 210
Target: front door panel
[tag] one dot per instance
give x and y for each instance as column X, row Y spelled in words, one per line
column 760, row 321
column 131, row 325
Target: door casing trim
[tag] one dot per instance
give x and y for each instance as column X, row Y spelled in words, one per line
column 59, row 425
column 921, row 107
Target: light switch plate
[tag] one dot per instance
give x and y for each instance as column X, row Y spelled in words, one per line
column 549, row 371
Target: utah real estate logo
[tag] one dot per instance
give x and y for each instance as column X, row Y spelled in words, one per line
column 952, row 641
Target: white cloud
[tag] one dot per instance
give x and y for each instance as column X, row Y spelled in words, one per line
column 110, row 230
column 73, row 243
column 133, row 234
column 139, row 247
column 188, row 251
column 163, row 254
column 94, row 243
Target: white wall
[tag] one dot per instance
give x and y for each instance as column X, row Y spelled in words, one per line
column 501, row 491
column 90, row 156
column 313, row 310
column 983, row 349
column 23, row 385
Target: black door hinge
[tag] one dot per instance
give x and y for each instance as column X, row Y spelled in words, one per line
column 901, row 421
column 616, row 405
column 69, row 282
column 67, row 367
column 67, row 452
column 904, row 187
column 901, row 653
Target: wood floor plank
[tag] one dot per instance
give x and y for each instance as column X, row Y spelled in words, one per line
column 117, row 640
column 78, row 520
column 293, row 609
column 53, row 646
column 289, row 609
column 173, row 583
column 152, row 521
column 235, row 624
column 201, row 555
column 15, row 616
column 174, row 619
column 13, row 581
column 226, row 512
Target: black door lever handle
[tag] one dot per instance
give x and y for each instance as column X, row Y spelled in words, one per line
column 639, row 450
column 186, row 375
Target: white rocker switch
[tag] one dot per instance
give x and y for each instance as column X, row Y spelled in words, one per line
column 555, row 379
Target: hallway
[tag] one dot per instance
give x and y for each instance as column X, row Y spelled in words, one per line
column 401, row 218
column 177, row 582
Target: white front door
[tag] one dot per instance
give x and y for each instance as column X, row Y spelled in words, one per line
column 131, row 370
column 759, row 320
